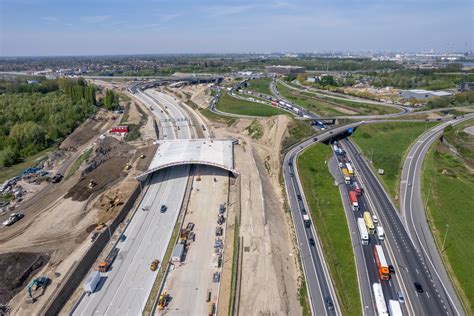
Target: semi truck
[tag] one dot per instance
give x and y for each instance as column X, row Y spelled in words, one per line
column 90, row 284
column 369, row 223
column 354, row 201
column 306, row 220
column 382, row 265
column 379, row 300
column 347, row 180
column 357, row 188
column 364, row 235
column 349, row 168
column 105, row 265
column 394, row 308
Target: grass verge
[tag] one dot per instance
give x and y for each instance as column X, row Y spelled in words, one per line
column 303, row 298
column 261, row 85
column 255, row 129
column 386, row 145
column 232, row 105
column 78, row 162
column 217, row 118
column 297, row 131
column 15, row 170
column 330, row 222
column 450, row 206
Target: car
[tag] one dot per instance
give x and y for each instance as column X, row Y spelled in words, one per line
column 221, row 209
column 292, row 174
column 146, row 208
column 290, row 164
column 329, row 304
column 94, row 236
column 298, row 196
column 391, row 269
column 418, row 287
column 315, row 139
column 341, row 165
column 401, row 298
column 154, row 265
column 311, row 241
column 122, row 238
column 57, row 178
column 409, row 184
column 163, row 208
column 216, row 277
column 375, row 219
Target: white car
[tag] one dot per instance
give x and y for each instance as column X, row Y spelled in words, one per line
column 375, row 219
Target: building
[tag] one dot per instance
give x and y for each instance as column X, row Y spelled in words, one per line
column 420, row 94
column 285, row 70
column 466, row 86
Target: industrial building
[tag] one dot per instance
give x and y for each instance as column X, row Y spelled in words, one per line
column 284, row 70
column 420, row 94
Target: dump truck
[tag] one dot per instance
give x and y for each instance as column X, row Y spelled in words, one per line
column 90, row 284
column 105, row 265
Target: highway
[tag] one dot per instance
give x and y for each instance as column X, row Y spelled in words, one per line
column 409, row 264
column 126, row 286
column 318, row 279
column 413, row 211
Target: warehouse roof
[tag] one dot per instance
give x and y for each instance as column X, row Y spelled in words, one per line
column 212, row 152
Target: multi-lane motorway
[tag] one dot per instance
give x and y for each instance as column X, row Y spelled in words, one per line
column 126, row 286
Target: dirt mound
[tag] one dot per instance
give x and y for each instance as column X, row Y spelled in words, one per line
column 85, row 132
column 16, row 269
column 104, row 168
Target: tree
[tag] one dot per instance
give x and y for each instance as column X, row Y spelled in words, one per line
column 9, row 157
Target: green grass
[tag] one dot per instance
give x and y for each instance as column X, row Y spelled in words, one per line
column 330, row 221
column 232, row 105
column 297, row 131
column 78, row 162
column 255, row 129
column 15, row 170
column 451, row 203
column 261, row 85
column 303, row 298
column 386, row 144
column 327, row 105
column 133, row 132
column 217, row 118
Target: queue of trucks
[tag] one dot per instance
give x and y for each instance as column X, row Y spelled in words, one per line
column 367, row 225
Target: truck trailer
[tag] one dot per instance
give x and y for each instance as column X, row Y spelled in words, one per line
column 354, row 201
column 379, row 300
column 90, row 284
column 394, row 308
column 382, row 265
column 364, row 235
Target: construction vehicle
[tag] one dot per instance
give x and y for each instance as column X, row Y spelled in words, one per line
column 91, row 184
column 142, row 156
column 163, row 301
column 105, row 265
column 184, row 234
column 13, row 218
column 90, row 284
column 38, row 282
column 127, row 167
column 154, row 265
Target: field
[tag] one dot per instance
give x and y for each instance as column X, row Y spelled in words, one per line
column 386, row 144
column 451, row 203
column 261, row 85
column 327, row 105
column 241, row 107
column 331, row 224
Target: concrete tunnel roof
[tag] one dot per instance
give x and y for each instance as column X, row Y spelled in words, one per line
column 211, row 152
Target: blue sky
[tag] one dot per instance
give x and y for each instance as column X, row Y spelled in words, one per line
column 65, row 27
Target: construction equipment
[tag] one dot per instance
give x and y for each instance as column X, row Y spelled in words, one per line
column 142, row 156
column 92, row 184
column 105, row 265
column 127, row 167
column 154, row 265
column 183, row 234
column 163, row 301
column 38, row 282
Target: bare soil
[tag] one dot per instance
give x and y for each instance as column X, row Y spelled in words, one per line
column 16, row 269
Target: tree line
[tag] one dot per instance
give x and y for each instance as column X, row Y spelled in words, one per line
column 35, row 116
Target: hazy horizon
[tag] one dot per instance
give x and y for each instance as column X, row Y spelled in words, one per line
column 33, row 28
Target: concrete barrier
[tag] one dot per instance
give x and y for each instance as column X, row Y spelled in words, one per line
column 79, row 270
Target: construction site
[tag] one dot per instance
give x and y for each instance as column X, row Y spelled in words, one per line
column 79, row 231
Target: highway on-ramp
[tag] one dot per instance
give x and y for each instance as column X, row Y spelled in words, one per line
column 413, row 212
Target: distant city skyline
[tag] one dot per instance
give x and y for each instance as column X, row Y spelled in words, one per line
column 107, row 27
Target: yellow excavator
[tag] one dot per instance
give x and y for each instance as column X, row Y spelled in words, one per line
column 164, row 300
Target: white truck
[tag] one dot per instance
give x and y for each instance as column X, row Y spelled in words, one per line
column 380, row 233
column 394, row 308
column 364, row 235
column 91, row 282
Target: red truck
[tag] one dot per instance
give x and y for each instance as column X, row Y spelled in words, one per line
column 358, row 190
column 354, row 201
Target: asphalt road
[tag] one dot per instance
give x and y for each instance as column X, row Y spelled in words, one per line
column 409, row 264
column 413, row 212
column 125, row 288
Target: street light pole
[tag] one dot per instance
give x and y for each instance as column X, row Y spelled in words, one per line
column 445, row 236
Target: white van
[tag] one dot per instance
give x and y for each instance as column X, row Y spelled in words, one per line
column 380, row 233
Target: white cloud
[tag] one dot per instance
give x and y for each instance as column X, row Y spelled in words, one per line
column 95, row 18
column 169, row 17
column 50, row 19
